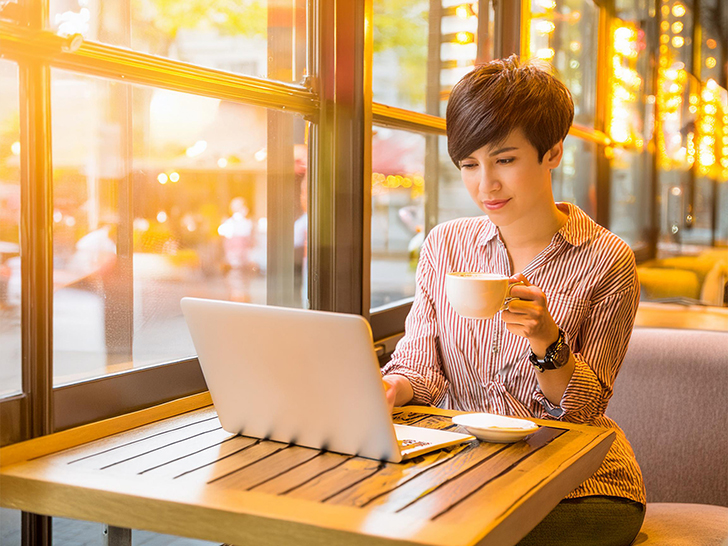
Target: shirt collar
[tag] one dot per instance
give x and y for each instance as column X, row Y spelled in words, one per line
column 487, row 232
column 576, row 231
column 578, row 228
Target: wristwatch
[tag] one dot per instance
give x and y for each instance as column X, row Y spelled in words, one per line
column 557, row 355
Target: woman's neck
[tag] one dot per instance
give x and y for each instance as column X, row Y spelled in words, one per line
column 527, row 237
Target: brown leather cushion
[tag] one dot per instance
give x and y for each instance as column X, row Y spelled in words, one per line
column 673, row 524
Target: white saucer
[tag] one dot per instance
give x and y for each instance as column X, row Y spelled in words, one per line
column 495, row 428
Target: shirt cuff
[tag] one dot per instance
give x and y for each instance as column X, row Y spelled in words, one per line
column 422, row 395
column 582, row 392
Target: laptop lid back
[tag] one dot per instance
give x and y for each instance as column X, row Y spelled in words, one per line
column 292, row 375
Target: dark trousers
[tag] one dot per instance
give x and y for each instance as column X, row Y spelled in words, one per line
column 589, row 521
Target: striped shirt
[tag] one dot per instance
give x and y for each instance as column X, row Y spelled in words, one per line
column 589, row 278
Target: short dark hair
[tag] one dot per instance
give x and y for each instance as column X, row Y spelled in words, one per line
column 500, row 96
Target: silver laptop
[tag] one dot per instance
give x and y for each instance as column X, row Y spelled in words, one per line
column 305, row 377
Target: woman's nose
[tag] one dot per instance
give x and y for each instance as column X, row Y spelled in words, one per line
column 488, row 181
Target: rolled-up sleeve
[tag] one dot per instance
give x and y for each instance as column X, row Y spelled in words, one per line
column 416, row 356
column 603, row 340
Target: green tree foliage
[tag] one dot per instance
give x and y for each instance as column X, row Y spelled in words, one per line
column 157, row 22
column 402, row 26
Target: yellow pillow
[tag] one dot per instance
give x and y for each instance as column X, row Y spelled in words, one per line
column 659, row 283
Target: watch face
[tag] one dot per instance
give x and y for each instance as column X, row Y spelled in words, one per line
column 560, row 356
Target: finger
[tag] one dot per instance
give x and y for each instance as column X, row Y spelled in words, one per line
column 520, row 277
column 519, row 307
column 529, row 293
column 510, row 317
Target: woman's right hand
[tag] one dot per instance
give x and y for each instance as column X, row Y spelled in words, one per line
column 398, row 390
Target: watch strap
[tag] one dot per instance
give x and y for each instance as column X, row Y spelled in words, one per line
column 557, row 355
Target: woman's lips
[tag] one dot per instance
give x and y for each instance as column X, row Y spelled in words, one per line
column 495, row 204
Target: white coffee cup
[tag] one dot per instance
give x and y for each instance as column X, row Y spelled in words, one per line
column 478, row 295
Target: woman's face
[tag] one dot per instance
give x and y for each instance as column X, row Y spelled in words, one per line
column 507, row 181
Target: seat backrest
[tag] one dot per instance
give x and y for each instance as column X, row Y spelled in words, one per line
column 671, row 400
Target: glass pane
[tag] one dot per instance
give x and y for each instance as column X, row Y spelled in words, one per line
column 10, row 10
column 10, row 527
column 676, row 30
column 575, row 181
column 71, row 532
column 632, row 122
column 711, row 54
column 631, row 195
column 453, row 198
column 241, row 37
column 721, row 236
column 565, row 33
column 398, row 213
column 168, row 206
column 10, row 334
column 698, row 229
column 414, row 68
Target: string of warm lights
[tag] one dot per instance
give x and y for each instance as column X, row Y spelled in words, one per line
column 678, row 145
column 413, row 182
column 671, row 81
column 711, row 136
column 625, row 85
column 675, row 150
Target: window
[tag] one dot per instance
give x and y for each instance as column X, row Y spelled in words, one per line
column 421, row 49
column 575, row 180
column 231, row 36
column 158, row 177
column 10, row 279
column 10, row 527
column 398, row 212
column 150, row 206
column 631, row 124
column 565, row 33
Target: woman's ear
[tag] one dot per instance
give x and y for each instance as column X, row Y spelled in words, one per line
column 552, row 159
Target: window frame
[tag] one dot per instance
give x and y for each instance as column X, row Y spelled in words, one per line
column 511, row 20
column 333, row 100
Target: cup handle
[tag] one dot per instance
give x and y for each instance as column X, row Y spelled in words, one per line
column 510, row 298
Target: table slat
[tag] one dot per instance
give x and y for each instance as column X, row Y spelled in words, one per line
column 392, row 476
column 496, row 496
column 278, row 464
column 95, row 459
column 337, row 479
column 220, row 474
column 208, row 458
column 145, row 433
column 302, row 474
column 432, row 502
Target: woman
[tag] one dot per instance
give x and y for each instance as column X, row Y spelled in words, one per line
column 555, row 352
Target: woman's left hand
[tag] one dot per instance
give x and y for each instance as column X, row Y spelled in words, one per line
column 528, row 316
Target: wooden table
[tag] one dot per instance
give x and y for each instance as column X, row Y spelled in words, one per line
column 173, row 470
column 673, row 315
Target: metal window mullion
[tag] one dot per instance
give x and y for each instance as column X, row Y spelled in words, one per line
column 341, row 142
column 603, row 110
column 36, row 251
column 36, row 237
column 121, row 64
column 508, row 15
column 432, row 161
column 406, row 120
column 280, row 189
